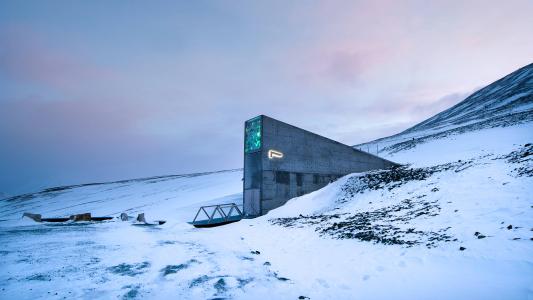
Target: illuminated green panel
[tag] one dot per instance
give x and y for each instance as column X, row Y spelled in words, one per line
column 252, row 131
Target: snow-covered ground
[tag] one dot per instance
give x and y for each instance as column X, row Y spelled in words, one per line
column 456, row 223
column 298, row 255
column 166, row 197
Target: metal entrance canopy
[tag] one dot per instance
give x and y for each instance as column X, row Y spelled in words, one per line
column 227, row 213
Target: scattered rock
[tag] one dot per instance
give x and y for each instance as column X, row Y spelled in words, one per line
column 133, row 291
column 129, row 269
column 510, row 227
column 275, row 274
column 173, row 269
column 140, row 218
column 124, row 217
column 522, row 157
column 462, row 248
column 255, row 252
column 377, row 225
column 243, row 282
column 199, row 281
column 479, row 235
column 220, row 286
column 386, row 179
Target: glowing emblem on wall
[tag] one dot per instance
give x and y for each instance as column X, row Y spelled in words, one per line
column 274, row 154
column 252, row 135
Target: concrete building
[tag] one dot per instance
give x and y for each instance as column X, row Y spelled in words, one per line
column 282, row 161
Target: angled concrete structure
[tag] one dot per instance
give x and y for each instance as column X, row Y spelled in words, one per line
column 282, row 161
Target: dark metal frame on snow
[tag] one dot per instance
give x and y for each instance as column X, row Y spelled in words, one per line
column 220, row 209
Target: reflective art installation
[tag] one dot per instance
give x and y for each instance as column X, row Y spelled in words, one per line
column 252, row 140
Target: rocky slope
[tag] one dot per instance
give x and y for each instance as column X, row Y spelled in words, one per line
column 506, row 102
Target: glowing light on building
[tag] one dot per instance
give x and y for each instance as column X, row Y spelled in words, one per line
column 274, row 154
column 252, row 133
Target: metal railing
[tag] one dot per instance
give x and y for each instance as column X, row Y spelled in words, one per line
column 221, row 209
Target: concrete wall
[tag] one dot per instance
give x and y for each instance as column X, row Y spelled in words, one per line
column 309, row 163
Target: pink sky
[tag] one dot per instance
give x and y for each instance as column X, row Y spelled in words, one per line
column 101, row 91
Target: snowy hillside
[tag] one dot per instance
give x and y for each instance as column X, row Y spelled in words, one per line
column 456, row 223
column 506, row 102
column 508, row 99
column 165, row 196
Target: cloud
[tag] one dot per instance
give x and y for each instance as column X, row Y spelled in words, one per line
column 67, row 142
column 70, row 126
column 27, row 56
column 348, row 63
column 162, row 90
column 443, row 103
column 348, row 66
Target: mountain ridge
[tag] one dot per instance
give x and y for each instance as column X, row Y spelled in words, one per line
column 505, row 102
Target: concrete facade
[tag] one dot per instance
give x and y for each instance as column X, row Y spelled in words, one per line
column 291, row 162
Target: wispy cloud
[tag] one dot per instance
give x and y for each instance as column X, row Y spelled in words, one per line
column 90, row 94
column 27, row 56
